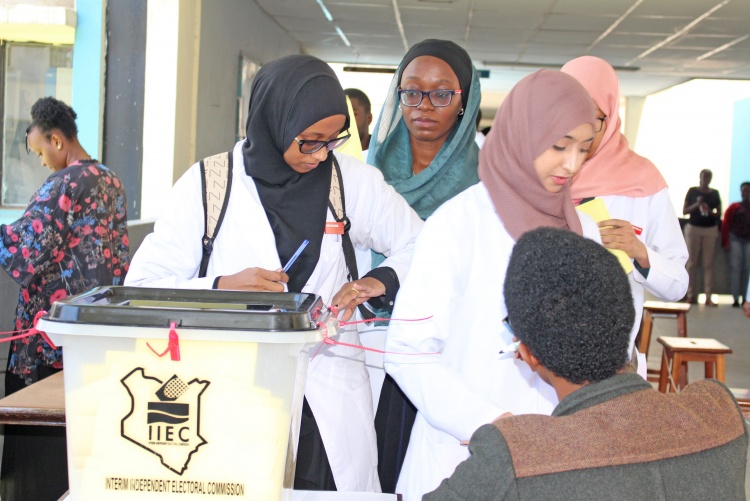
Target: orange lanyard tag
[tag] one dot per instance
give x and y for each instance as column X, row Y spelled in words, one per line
column 334, row 228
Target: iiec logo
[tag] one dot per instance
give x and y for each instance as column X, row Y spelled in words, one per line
column 164, row 418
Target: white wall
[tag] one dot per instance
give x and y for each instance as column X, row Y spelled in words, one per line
column 192, row 72
column 688, row 128
column 238, row 26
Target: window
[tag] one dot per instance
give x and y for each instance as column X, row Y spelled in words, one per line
column 29, row 72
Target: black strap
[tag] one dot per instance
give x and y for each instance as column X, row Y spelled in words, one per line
column 211, row 230
column 346, row 240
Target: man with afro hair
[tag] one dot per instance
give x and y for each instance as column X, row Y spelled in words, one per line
column 612, row 436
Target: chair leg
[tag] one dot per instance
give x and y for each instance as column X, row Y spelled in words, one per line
column 676, row 382
column 709, row 370
column 646, row 326
column 720, row 368
column 663, row 373
column 681, row 325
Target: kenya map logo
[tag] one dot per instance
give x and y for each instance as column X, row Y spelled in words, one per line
column 164, row 418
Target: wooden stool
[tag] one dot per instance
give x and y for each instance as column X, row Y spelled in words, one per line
column 679, row 350
column 743, row 398
column 657, row 309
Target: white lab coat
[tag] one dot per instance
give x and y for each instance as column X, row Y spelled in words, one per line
column 667, row 251
column 337, row 389
column 458, row 382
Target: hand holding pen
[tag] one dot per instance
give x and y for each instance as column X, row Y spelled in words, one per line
column 254, row 279
column 259, row 279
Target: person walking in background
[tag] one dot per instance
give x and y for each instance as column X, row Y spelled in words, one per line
column 703, row 204
column 362, row 115
column 424, row 143
column 642, row 221
column 735, row 237
column 72, row 236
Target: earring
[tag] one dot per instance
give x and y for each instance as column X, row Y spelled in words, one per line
column 461, row 113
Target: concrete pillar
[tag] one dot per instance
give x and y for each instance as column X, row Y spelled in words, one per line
column 739, row 170
column 171, row 88
column 89, row 51
column 633, row 112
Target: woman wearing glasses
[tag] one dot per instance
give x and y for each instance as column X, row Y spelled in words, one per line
column 642, row 220
column 424, row 143
column 279, row 198
column 538, row 141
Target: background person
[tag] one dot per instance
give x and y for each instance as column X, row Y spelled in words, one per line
column 479, row 137
column 735, row 237
column 279, row 197
column 424, row 145
column 362, row 115
column 642, row 220
column 72, row 237
column 703, row 204
column 592, row 447
column 538, row 142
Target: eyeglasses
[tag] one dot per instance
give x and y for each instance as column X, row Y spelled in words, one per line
column 308, row 146
column 506, row 324
column 601, row 123
column 440, row 98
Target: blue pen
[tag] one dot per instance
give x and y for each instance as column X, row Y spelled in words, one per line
column 295, row 256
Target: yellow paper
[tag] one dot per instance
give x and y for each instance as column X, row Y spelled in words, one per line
column 598, row 212
column 353, row 146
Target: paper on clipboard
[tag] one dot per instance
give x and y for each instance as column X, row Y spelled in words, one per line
column 598, row 212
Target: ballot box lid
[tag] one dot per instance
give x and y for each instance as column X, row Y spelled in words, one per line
column 199, row 309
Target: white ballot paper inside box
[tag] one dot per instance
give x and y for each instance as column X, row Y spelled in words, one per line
column 208, row 408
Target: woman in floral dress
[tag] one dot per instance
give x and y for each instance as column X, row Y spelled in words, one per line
column 72, row 237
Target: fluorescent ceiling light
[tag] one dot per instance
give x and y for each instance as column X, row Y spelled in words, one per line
column 681, row 32
column 343, row 37
column 514, row 64
column 325, row 10
column 719, row 49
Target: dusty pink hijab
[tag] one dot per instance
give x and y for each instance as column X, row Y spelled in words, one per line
column 541, row 109
column 614, row 169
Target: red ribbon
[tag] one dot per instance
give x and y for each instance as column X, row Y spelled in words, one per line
column 30, row 332
column 173, row 347
column 327, row 339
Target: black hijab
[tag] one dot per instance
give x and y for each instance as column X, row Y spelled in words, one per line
column 450, row 52
column 289, row 95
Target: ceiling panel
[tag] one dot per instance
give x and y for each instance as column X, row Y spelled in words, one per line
column 543, row 32
column 582, row 38
column 501, row 21
column 579, row 7
column 659, row 25
column 584, row 23
column 668, row 8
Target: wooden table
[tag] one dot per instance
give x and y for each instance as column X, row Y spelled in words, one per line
column 41, row 404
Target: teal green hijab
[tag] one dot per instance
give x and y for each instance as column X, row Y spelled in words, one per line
column 454, row 168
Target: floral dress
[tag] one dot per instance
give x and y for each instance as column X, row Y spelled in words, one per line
column 72, row 237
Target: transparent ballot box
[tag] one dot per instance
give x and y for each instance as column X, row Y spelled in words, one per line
column 209, row 408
